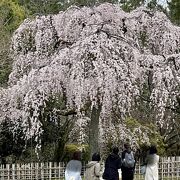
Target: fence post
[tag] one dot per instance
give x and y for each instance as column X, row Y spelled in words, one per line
column 18, row 171
column 13, row 171
column 42, row 171
column 2, row 172
column 59, row 170
column 55, row 170
column 36, row 170
column 8, row 169
column 172, row 167
column 162, row 167
column 178, row 167
column 31, row 170
column 50, row 165
column 63, row 169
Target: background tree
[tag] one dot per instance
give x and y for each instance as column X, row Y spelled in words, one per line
column 174, row 11
column 40, row 7
column 131, row 5
column 11, row 15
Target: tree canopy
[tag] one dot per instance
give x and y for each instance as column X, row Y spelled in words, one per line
column 88, row 72
column 174, row 11
column 99, row 60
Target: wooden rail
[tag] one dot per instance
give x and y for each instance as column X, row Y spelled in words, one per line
column 169, row 169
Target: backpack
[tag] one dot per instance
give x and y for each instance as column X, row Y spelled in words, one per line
column 129, row 161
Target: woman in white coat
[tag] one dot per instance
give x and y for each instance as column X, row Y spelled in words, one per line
column 152, row 160
column 73, row 168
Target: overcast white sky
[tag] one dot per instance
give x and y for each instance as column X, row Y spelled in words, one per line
column 163, row 2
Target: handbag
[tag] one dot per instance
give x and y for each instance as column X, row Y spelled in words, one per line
column 143, row 169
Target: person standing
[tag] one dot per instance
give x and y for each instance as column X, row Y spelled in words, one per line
column 152, row 160
column 128, row 163
column 112, row 164
column 73, row 168
column 93, row 168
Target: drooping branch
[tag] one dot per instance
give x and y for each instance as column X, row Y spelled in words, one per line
column 67, row 112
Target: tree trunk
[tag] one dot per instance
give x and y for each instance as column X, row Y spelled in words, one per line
column 94, row 130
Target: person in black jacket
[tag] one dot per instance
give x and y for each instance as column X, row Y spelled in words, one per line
column 112, row 164
column 127, row 171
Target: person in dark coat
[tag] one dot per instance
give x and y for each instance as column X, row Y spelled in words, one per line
column 112, row 164
column 127, row 172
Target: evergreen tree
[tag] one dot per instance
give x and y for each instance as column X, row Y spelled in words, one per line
column 130, row 5
column 11, row 15
column 34, row 7
column 174, row 7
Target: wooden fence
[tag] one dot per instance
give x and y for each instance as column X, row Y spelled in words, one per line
column 169, row 169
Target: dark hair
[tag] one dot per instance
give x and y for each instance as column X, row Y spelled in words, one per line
column 115, row 150
column 127, row 145
column 77, row 155
column 152, row 150
column 96, row 157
